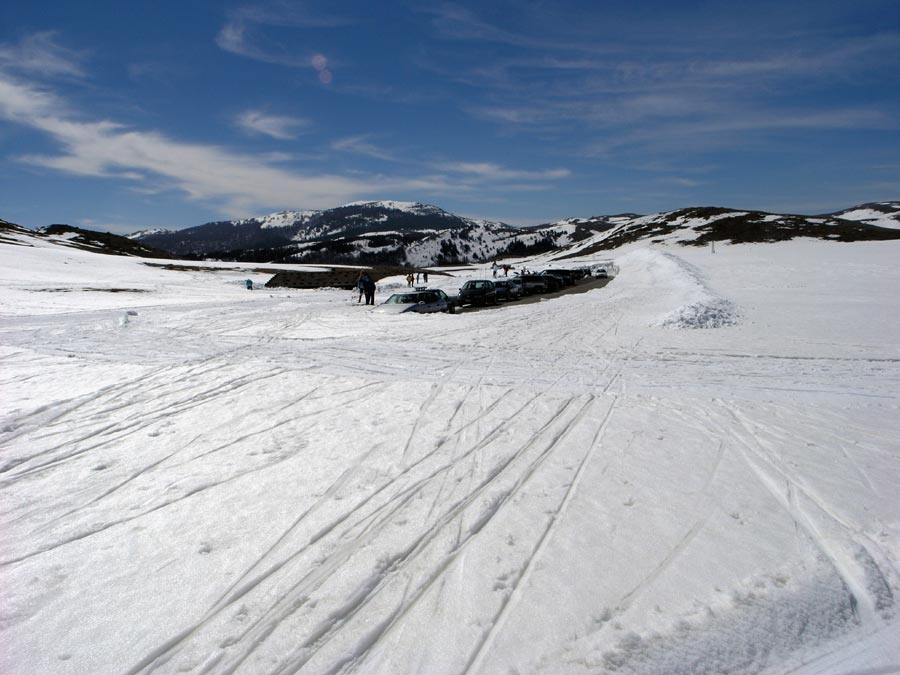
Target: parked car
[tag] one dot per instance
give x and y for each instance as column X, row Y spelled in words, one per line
column 567, row 278
column 531, row 283
column 554, row 283
column 507, row 289
column 425, row 301
column 477, row 292
column 601, row 274
column 581, row 272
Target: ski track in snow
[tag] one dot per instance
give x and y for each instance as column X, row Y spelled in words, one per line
column 305, row 486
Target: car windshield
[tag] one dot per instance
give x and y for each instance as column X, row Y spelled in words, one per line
column 403, row 299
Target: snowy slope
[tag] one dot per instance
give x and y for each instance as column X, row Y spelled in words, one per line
column 407, row 207
column 881, row 214
column 704, row 226
column 695, row 469
column 283, row 218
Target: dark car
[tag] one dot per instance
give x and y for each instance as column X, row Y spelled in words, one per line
column 581, row 273
column 554, row 283
column 531, row 283
column 567, row 278
column 477, row 292
column 507, row 289
column 422, row 301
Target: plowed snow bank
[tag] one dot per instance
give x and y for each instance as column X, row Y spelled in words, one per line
column 676, row 290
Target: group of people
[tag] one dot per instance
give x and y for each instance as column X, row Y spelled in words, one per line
column 366, row 286
column 411, row 279
column 506, row 268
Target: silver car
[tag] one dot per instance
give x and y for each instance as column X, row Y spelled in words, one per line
column 425, row 301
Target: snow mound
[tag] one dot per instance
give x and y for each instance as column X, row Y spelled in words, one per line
column 676, row 291
column 711, row 313
column 765, row 626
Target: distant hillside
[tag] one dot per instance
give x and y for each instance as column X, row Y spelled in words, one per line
column 881, row 214
column 76, row 237
column 383, row 232
column 420, row 235
column 703, row 225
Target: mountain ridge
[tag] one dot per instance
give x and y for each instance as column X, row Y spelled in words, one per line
column 418, row 234
column 421, row 235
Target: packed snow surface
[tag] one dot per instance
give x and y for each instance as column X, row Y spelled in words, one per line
column 695, row 469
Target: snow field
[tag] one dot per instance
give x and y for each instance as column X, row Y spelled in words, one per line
column 284, row 481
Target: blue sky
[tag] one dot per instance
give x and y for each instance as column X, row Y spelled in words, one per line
column 122, row 116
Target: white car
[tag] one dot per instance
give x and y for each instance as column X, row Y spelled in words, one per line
column 422, row 301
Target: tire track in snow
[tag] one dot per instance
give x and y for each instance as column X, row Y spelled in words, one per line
column 869, row 592
column 297, row 595
column 271, row 415
column 164, row 653
column 478, row 655
column 106, row 526
column 117, row 430
column 497, row 505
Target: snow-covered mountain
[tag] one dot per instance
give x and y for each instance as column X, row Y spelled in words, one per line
column 390, row 232
column 369, row 232
column 286, row 234
column 704, row 225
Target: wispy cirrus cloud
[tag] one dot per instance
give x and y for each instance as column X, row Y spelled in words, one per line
column 463, row 173
column 645, row 83
column 361, row 145
column 41, row 54
column 495, row 172
column 243, row 34
column 729, row 128
column 237, row 183
column 280, row 127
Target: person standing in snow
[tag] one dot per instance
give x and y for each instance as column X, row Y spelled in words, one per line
column 368, row 289
column 425, row 276
column 249, row 284
column 360, row 286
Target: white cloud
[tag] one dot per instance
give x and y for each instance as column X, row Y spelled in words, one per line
column 277, row 126
column 40, row 54
column 239, row 183
column 233, row 38
column 242, row 34
column 490, row 171
column 679, row 181
column 361, row 146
